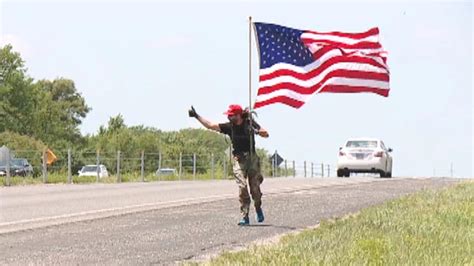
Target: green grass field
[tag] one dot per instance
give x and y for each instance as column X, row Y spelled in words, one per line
column 427, row 228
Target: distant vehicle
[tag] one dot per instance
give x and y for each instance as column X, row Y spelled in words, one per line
column 3, row 169
column 165, row 171
column 364, row 155
column 18, row 167
column 22, row 167
column 91, row 170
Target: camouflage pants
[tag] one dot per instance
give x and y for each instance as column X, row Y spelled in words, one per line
column 248, row 169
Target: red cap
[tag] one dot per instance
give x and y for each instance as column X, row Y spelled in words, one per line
column 234, row 109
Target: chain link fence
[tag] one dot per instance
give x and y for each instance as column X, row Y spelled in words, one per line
column 71, row 166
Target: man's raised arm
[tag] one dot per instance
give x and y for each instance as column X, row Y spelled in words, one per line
column 206, row 123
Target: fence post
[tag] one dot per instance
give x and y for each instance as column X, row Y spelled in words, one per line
column 273, row 167
column 194, row 166
column 212, row 166
column 180, row 164
column 143, row 166
column 159, row 165
column 98, row 163
column 119, row 178
column 8, row 168
column 45, row 167
column 225, row 167
column 322, row 170
column 69, row 170
column 312, row 171
column 294, row 169
column 276, row 168
column 305, row 173
column 286, row 168
column 159, row 160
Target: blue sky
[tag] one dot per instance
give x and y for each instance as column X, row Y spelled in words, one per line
column 150, row 60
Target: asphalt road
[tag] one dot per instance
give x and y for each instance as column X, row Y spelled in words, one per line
column 168, row 222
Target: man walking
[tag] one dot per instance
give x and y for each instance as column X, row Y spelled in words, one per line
column 245, row 162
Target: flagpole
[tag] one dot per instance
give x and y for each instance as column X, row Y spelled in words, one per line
column 250, row 64
column 250, row 86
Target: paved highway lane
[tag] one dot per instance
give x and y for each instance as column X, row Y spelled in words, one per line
column 166, row 222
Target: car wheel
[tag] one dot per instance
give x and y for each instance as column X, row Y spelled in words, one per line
column 340, row 173
column 389, row 174
column 382, row 174
column 347, row 173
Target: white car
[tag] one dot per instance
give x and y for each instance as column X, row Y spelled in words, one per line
column 91, row 170
column 165, row 171
column 364, row 155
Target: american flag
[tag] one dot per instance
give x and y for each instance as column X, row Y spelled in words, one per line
column 295, row 64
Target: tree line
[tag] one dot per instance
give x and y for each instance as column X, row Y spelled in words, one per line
column 36, row 114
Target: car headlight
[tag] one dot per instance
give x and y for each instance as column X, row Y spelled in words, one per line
column 17, row 171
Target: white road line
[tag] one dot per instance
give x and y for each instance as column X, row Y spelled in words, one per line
column 27, row 224
column 200, row 199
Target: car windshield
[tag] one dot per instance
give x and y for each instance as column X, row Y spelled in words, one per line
column 89, row 168
column 13, row 163
column 361, row 144
column 20, row 162
column 166, row 171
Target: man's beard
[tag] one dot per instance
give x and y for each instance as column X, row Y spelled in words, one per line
column 233, row 120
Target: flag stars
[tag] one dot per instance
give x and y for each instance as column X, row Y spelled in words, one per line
column 281, row 45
